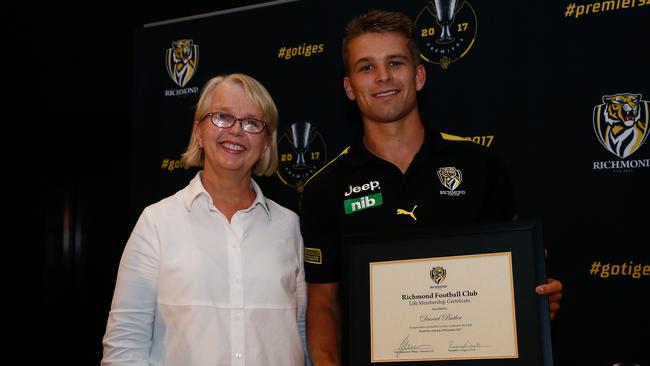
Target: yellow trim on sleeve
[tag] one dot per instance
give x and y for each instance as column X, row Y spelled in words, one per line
column 345, row 151
column 449, row 137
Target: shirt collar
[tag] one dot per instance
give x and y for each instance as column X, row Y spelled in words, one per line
column 196, row 189
column 432, row 143
column 260, row 199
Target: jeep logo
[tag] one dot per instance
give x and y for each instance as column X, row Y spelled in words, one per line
column 368, row 186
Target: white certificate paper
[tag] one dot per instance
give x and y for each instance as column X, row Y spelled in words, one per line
column 446, row 308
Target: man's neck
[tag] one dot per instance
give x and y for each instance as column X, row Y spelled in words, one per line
column 396, row 142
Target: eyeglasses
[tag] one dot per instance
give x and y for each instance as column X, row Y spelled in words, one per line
column 225, row 120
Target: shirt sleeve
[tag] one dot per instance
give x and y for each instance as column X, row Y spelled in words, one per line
column 301, row 286
column 499, row 203
column 301, row 290
column 319, row 222
column 129, row 329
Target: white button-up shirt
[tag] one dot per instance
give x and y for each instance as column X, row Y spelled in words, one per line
column 194, row 289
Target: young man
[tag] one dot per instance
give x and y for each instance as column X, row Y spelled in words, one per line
column 389, row 182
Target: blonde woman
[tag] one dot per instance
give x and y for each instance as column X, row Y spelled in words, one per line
column 213, row 275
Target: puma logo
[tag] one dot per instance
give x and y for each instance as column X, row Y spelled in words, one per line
column 410, row 213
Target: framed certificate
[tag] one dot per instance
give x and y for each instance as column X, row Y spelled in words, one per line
column 463, row 296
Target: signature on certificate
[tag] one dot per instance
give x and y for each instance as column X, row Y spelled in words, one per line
column 466, row 345
column 406, row 347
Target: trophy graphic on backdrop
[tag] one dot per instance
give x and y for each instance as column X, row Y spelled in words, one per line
column 301, row 153
column 300, row 138
column 444, row 11
column 447, row 30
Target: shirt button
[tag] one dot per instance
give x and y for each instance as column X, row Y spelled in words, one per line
column 237, row 280
column 238, row 355
column 237, row 317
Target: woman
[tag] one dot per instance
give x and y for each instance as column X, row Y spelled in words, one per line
column 213, row 275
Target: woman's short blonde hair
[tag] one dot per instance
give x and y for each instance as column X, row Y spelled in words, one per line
column 258, row 95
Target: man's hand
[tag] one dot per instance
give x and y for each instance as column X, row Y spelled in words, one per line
column 553, row 289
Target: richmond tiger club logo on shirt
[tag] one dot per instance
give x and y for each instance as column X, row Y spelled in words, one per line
column 371, row 200
column 450, row 177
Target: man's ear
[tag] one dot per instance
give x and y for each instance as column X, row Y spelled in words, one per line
column 349, row 91
column 420, row 77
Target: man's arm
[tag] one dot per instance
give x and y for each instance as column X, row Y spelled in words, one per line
column 499, row 205
column 324, row 323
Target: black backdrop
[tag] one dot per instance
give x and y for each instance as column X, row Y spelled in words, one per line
column 528, row 86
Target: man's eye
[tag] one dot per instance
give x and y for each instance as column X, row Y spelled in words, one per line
column 365, row 68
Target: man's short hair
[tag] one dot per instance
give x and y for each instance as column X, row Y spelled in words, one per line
column 379, row 21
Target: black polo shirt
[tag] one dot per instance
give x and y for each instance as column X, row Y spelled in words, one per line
column 449, row 182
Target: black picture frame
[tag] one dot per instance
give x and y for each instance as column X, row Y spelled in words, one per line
column 522, row 238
